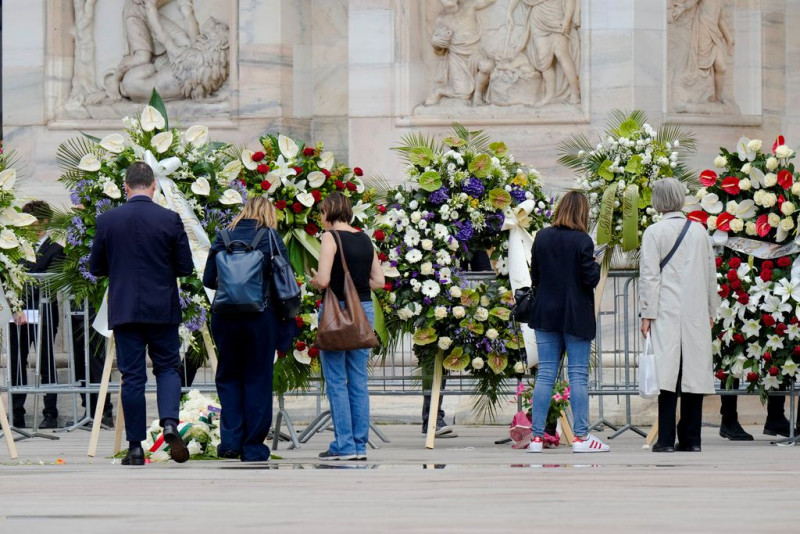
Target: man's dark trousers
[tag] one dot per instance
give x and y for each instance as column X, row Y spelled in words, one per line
column 163, row 343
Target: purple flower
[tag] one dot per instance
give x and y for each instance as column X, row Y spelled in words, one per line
column 236, row 185
column 427, row 301
column 473, row 187
column 440, row 196
column 102, row 206
column 518, row 194
column 465, row 231
column 495, row 221
column 84, row 271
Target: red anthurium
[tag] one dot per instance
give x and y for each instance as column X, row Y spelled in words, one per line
column 762, row 225
column 724, row 221
column 778, row 142
column 730, row 185
column 785, row 179
column 699, row 216
column 708, row 178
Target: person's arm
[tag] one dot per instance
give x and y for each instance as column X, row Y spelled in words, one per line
column 376, row 278
column 649, row 280
column 322, row 275
column 98, row 257
column 210, row 272
column 590, row 269
column 182, row 263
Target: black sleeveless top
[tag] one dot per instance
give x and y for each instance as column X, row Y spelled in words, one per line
column 358, row 252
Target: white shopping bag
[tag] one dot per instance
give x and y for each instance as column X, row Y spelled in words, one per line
column 648, row 380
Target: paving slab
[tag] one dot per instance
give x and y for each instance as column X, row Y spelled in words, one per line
column 465, row 484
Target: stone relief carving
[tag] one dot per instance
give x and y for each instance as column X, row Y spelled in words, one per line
column 701, row 49
column 84, row 86
column 523, row 53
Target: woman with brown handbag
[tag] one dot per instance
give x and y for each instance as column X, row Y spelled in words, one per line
column 347, row 261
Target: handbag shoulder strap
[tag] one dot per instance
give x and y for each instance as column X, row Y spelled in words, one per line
column 257, row 239
column 668, row 257
column 341, row 251
column 226, row 238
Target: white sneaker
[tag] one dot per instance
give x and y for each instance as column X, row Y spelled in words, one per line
column 590, row 444
column 536, row 445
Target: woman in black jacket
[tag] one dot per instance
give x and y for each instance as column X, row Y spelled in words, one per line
column 247, row 344
column 565, row 273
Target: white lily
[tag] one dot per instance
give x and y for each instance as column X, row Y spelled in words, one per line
column 716, row 346
column 12, row 217
column 751, row 328
column 726, row 314
column 196, row 135
column 774, row 342
column 114, row 143
column 316, row 179
column 737, row 369
column 247, row 160
column 151, row 119
column 360, row 210
column 162, row 141
column 287, row 146
column 326, row 161
column 27, row 250
column 711, row 203
column 776, row 307
column 8, row 239
column 789, row 368
column 111, row 190
column 793, row 332
column 743, row 272
column 306, row 199
column 787, row 290
column 771, row 382
column 760, row 289
column 230, row 197
column 283, row 168
column 201, row 187
column 89, row 163
column 745, row 152
column 754, row 350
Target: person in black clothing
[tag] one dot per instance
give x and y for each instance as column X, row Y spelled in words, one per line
column 96, row 360
column 23, row 333
column 776, row 424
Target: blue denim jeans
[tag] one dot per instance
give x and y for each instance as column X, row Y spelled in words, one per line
column 551, row 346
column 345, row 373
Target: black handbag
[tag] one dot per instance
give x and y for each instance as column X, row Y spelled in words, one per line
column 523, row 304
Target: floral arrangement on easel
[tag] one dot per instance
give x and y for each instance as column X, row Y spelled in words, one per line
column 750, row 205
column 559, row 403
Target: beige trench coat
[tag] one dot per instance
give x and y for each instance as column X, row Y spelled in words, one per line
column 679, row 301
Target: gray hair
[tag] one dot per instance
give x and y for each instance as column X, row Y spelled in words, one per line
column 668, row 195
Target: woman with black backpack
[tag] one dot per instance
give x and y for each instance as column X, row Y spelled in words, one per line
column 247, row 327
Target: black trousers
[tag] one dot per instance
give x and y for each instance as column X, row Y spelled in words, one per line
column 20, row 339
column 728, row 408
column 426, row 401
column 96, row 359
column 688, row 428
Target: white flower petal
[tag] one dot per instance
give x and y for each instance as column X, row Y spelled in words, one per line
column 162, row 141
column 316, row 179
column 114, row 143
column 230, row 197
column 196, row 135
column 247, row 160
column 201, row 187
column 151, row 119
column 306, row 199
column 287, row 146
column 89, row 163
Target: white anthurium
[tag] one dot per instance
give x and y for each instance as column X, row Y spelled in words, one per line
column 111, row 190
column 359, row 186
column 389, row 271
column 786, row 289
column 231, row 170
column 27, row 250
column 776, row 307
column 711, row 203
column 247, row 160
column 12, row 217
column 326, row 161
column 744, row 150
column 774, row 342
column 757, row 178
column 726, row 313
column 751, row 328
column 360, row 210
column 7, row 179
column 162, row 141
column 771, row 382
column 196, row 135
column 151, row 119
column 230, row 197
column 789, row 368
column 287, row 146
column 746, row 209
column 201, row 187
column 114, row 143
column 306, row 199
column 89, row 163
column 316, row 179
column 8, row 240
column 283, row 168
column 302, row 356
column 691, row 203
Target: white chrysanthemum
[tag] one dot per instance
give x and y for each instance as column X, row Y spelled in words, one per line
column 430, row 288
column 413, row 255
column 440, row 231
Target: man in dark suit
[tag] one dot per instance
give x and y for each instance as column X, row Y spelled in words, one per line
column 25, row 329
column 143, row 249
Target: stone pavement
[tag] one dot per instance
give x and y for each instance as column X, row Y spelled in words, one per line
column 466, row 484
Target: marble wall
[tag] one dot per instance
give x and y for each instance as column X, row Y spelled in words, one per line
column 353, row 73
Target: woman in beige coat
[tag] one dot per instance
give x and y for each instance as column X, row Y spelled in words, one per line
column 678, row 304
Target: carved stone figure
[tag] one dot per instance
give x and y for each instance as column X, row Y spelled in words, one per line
column 194, row 64
column 84, row 85
column 552, row 45
column 466, row 68
column 703, row 25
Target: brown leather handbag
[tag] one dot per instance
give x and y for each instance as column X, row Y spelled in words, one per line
column 344, row 329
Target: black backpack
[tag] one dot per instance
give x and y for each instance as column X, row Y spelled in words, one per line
column 285, row 292
column 240, row 276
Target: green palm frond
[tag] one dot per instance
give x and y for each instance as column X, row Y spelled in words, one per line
column 233, row 151
column 381, row 185
column 414, row 141
column 60, row 221
column 70, row 152
column 477, row 140
column 673, row 132
column 618, row 116
column 570, row 148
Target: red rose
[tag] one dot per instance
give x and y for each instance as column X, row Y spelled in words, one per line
column 731, row 185
column 708, row 178
column 263, row 168
column 313, row 352
column 735, row 262
column 301, row 346
column 265, row 185
column 297, row 207
column 281, row 354
column 724, row 222
column 780, row 329
column 382, row 208
column 722, row 375
column 242, row 182
column 699, row 216
column 258, row 156
column 280, row 204
column 796, row 350
column 317, row 195
column 339, row 184
column 388, row 287
column 724, row 291
column 298, row 170
column 736, row 284
column 794, row 320
column 773, row 371
column 311, row 229
column 326, row 172
column 308, row 151
column 767, row 265
column 351, row 186
column 744, row 298
column 784, row 262
column 357, row 171
column 718, row 261
column 732, row 275
column 382, row 257
column 768, row 320
column 752, row 377
column 785, row 179
column 738, row 338
column 765, row 275
column 379, row 235
column 767, row 356
column 299, row 322
column 778, row 142
column 762, row 225
column 318, row 304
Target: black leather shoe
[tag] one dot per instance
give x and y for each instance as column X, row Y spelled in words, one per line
column 734, row 432
column 686, row 448
column 777, row 428
column 134, row 457
column 229, row 454
column 49, row 421
column 108, row 420
column 663, row 448
column 177, row 448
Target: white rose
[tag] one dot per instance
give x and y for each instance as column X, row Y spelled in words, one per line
column 453, row 245
column 737, row 225
column 404, row 314
column 750, row 228
column 151, row 119
column 796, row 189
column 444, row 343
column 758, row 197
column 440, row 312
column 196, row 135
column 485, row 301
column 426, row 268
column 746, row 168
column 745, row 184
column 772, row 163
column 481, row 313
column 712, row 222
column 111, row 190
column 416, row 217
column 701, row 193
column 770, row 199
column 459, row 312
column 787, row 208
column 477, row 363
column 113, row 143
column 426, row 244
column 162, row 141
column 783, row 152
column 786, row 224
column 754, row 145
column 720, row 162
column 519, row 368
column 773, row 219
column 770, row 179
column 492, row 334
column 413, row 204
column 455, row 292
column 731, row 206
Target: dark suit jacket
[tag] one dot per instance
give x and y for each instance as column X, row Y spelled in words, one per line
column 565, row 274
column 143, row 249
column 46, row 257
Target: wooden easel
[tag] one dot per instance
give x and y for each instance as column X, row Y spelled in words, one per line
column 436, row 392
column 12, row 448
column 652, row 436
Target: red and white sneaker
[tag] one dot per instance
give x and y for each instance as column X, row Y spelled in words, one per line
column 536, row 444
column 590, row 444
